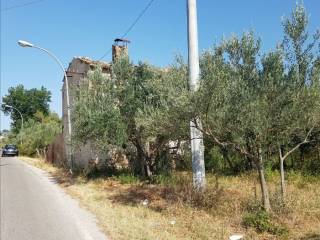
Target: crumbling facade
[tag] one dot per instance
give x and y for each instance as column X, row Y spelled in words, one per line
column 76, row 73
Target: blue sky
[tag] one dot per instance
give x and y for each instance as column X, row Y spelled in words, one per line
column 87, row 28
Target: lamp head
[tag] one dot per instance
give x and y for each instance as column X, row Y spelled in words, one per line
column 25, row 43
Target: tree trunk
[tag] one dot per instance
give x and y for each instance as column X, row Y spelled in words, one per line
column 139, row 162
column 263, row 183
column 142, row 165
column 283, row 185
column 228, row 160
column 38, row 153
column 43, row 152
column 147, row 160
column 301, row 159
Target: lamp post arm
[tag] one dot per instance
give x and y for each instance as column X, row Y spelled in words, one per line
column 18, row 112
column 66, row 82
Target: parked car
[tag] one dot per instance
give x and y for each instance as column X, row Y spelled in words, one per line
column 10, row 150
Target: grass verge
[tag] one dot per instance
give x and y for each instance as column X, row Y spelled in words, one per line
column 130, row 209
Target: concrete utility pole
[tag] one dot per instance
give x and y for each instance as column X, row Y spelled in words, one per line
column 197, row 147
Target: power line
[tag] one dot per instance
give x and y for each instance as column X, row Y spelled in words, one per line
column 21, row 5
column 132, row 25
column 137, row 19
column 104, row 55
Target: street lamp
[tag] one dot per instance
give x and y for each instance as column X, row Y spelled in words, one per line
column 28, row 44
column 8, row 106
column 12, row 107
column 25, row 43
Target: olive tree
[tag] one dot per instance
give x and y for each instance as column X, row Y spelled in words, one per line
column 296, row 116
column 106, row 112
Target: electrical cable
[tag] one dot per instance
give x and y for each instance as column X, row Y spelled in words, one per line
column 21, row 5
column 131, row 26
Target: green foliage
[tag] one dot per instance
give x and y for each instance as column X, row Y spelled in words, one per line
column 247, row 102
column 261, row 222
column 271, row 175
column 96, row 115
column 27, row 101
column 215, row 161
column 106, row 112
column 168, row 110
column 312, row 166
column 127, row 179
column 300, row 50
column 107, row 105
column 250, row 104
column 302, row 179
column 37, row 135
column 163, row 179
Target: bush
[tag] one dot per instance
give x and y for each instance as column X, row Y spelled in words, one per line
column 261, row 221
column 214, row 160
column 179, row 188
column 271, row 175
column 37, row 134
column 163, row 179
column 312, row 167
column 127, row 178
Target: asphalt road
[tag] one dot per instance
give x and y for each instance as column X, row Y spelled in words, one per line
column 33, row 207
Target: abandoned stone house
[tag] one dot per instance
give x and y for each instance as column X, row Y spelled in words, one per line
column 76, row 73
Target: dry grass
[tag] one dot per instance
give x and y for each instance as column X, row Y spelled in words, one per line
column 176, row 213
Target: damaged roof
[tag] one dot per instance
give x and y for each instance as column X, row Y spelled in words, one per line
column 94, row 62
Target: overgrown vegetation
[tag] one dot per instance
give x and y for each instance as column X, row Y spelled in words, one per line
column 260, row 220
column 260, row 116
column 37, row 133
column 257, row 110
column 33, row 126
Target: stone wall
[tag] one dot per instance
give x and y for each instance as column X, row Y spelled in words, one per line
column 76, row 73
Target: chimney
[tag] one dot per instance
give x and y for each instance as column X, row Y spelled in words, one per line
column 119, row 48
